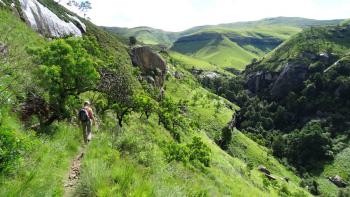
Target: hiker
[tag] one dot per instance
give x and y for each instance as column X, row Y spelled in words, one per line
column 86, row 117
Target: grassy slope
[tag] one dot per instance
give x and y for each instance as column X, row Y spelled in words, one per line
column 225, row 52
column 44, row 167
column 130, row 161
column 212, row 120
column 189, row 63
column 147, row 35
column 315, row 40
column 340, row 166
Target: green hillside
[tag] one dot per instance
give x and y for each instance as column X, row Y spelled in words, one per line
column 233, row 47
column 138, row 166
column 295, row 101
column 144, row 157
column 226, row 45
column 146, row 35
column 217, row 51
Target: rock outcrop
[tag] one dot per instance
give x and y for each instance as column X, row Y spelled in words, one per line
column 264, row 43
column 263, row 169
column 260, row 80
column 152, row 64
column 209, row 75
column 338, row 181
column 278, row 85
column 291, row 78
column 199, row 37
column 47, row 23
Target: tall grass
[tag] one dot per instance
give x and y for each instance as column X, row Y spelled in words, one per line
column 105, row 173
column 45, row 166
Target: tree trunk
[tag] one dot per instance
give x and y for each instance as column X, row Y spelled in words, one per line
column 120, row 121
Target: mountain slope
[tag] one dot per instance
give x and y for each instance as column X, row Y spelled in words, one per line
column 301, row 91
column 254, row 39
column 146, row 35
column 144, row 157
column 277, row 21
column 138, row 166
column 243, row 41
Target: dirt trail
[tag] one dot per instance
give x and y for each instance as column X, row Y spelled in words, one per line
column 71, row 182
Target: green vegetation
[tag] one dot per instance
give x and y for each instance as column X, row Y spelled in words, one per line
column 42, row 166
column 217, row 51
column 67, row 70
column 148, row 142
column 191, row 62
column 305, row 126
column 233, row 47
column 146, row 35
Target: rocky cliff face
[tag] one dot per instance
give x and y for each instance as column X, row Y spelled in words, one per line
column 199, row 37
column 47, row 23
column 260, row 80
column 263, row 43
column 290, row 79
column 152, row 65
column 278, row 84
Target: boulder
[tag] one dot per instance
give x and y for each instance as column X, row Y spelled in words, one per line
column 291, row 78
column 47, row 23
column 263, row 169
column 196, row 71
column 210, row 75
column 337, row 180
column 3, row 50
column 178, row 75
column 151, row 64
column 270, row 177
column 309, row 55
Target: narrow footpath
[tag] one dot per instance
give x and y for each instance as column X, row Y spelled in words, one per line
column 72, row 180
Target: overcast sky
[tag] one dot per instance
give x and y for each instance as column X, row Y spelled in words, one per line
column 178, row 15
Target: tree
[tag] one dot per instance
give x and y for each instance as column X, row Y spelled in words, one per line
column 132, row 40
column 83, row 6
column 308, row 146
column 145, row 104
column 65, row 70
column 119, row 87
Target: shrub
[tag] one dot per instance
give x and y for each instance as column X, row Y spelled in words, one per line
column 283, row 191
column 311, row 184
column 12, row 148
column 198, row 151
column 195, row 152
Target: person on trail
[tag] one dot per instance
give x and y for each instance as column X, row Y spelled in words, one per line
column 86, row 117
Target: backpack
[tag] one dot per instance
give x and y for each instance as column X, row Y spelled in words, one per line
column 83, row 115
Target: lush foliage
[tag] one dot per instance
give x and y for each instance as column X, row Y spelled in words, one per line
column 195, row 152
column 144, row 157
column 305, row 148
column 67, row 70
column 12, row 148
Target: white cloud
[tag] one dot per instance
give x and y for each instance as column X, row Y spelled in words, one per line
column 176, row 15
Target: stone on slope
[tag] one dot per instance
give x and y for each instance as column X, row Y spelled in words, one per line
column 151, row 63
column 338, row 181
